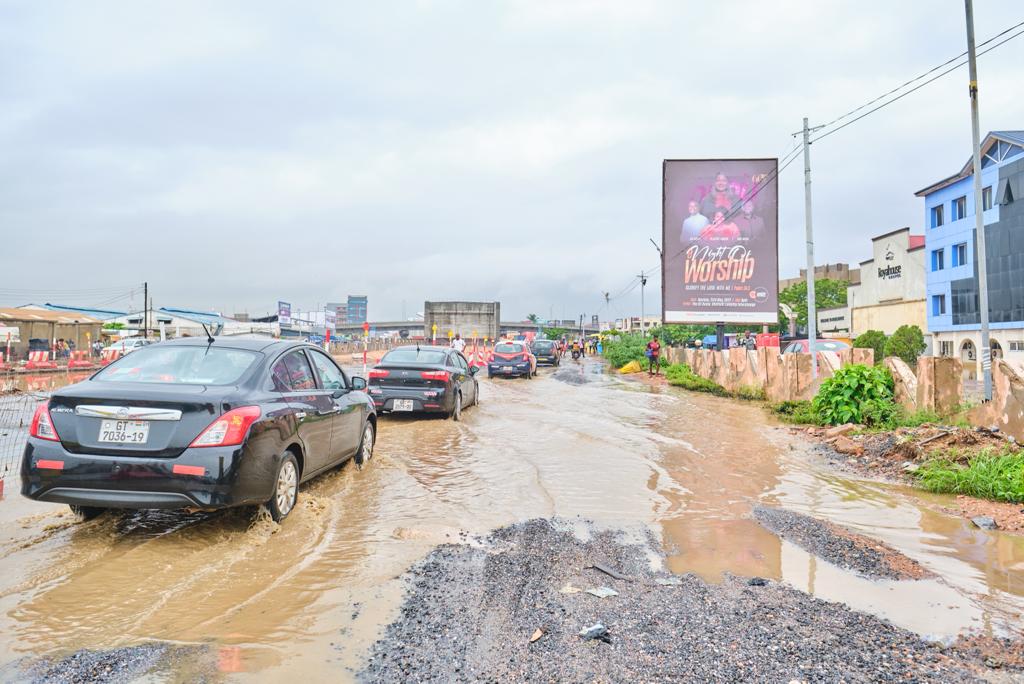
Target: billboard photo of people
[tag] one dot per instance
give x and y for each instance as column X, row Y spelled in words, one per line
column 720, row 237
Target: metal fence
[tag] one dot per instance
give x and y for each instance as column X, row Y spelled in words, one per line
column 16, row 409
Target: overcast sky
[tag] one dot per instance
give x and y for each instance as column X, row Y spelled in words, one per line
column 237, row 153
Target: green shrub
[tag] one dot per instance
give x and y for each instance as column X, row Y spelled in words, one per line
column 990, row 476
column 907, row 343
column 751, row 393
column 796, row 412
column 680, row 375
column 856, row 394
column 872, row 339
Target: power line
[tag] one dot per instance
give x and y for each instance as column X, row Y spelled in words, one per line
column 915, row 88
column 918, row 78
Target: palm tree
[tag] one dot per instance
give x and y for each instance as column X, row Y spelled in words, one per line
column 533, row 318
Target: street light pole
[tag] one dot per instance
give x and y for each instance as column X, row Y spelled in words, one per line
column 643, row 284
column 979, row 220
column 812, row 312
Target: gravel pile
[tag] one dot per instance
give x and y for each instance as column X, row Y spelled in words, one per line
column 471, row 613
column 865, row 556
column 162, row 661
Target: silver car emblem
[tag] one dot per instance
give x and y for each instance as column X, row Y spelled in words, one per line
column 122, row 412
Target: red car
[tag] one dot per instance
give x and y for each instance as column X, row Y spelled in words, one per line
column 512, row 359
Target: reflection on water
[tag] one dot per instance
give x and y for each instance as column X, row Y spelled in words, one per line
column 295, row 599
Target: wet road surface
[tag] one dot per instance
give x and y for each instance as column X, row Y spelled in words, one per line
column 309, row 597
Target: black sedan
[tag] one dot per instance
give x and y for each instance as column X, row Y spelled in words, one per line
column 424, row 379
column 546, row 351
column 198, row 424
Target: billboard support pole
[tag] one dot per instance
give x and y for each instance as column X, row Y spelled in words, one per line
column 812, row 312
column 720, row 336
column 979, row 207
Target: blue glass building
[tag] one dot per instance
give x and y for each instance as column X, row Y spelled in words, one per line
column 951, row 258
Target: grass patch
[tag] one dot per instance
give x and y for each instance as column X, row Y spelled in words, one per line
column 800, row 412
column 680, row 375
column 988, row 475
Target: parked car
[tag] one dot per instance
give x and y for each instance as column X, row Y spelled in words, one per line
column 546, row 351
column 802, row 346
column 200, row 424
column 430, row 379
column 128, row 345
column 512, row 359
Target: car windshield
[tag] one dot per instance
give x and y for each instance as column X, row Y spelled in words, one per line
column 180, row 365
column 507, row 348
column 412, row 355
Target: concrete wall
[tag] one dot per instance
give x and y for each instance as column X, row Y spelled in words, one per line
column 1006, row 410
column 888, row 317
column 464, row 318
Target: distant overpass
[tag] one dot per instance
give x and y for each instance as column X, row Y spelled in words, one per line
column 416, row 328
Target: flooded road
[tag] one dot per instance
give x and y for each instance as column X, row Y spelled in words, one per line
column 309, row 597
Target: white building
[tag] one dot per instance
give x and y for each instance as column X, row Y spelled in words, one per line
column 892, row 285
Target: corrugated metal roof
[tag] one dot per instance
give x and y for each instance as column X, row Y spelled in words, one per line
column 98, row 314
column 44, row 316
column 198, row 316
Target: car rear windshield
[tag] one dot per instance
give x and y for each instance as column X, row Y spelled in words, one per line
column 174, row 365
column 508, row 348
column 431, row 356
column 543, row 345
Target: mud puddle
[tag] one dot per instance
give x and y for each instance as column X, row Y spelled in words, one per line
column 309, row 597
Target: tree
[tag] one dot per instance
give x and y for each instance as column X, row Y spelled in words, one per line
column 907, row 343
column 828, row 294
column 533, row 318
column 872, row 339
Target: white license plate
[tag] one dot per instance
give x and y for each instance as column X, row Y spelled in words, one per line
column 402, row 405
column 507, row 369
column 124, row 431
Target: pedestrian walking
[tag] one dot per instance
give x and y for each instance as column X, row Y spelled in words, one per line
column 654, row 356
column 458, row 343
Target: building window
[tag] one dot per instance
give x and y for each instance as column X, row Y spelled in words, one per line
column 946, row 348
column 960, row 254
column 959, row 208
column 938, row 260
column 938, row 305
column 1016, row 345
column 986, row 198
column 936, row 216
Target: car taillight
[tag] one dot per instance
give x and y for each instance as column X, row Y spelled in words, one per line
column 228, row 430
column 490, row 358
column 377, row 373
column 42, row 426
column 435, row 375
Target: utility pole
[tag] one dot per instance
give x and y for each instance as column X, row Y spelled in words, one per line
column 812, row 311
column 979, row 220
column 145, row 310
column 643, row 284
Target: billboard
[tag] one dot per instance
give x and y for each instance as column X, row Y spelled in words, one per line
column 284, row 313
column 720, row 261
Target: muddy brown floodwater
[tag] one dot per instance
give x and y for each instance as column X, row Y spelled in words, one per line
column 308, row 598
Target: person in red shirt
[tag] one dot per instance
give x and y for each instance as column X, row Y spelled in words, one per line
column 720, row 229
column 654, row 356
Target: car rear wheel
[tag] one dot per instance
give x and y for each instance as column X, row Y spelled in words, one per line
column 83, row 513
column 457, row 409
column 286, row 489
column 365, row 452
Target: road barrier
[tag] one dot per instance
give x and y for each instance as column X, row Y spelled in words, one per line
column 79, row 359
column 40, row 360
column 108, row 356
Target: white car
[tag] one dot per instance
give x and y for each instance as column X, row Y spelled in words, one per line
column 129, row 345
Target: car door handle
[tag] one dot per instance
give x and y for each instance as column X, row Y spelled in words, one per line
column 330, row 412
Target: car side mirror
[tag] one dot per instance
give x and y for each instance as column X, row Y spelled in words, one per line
column 473, row 370
column 358, row 383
